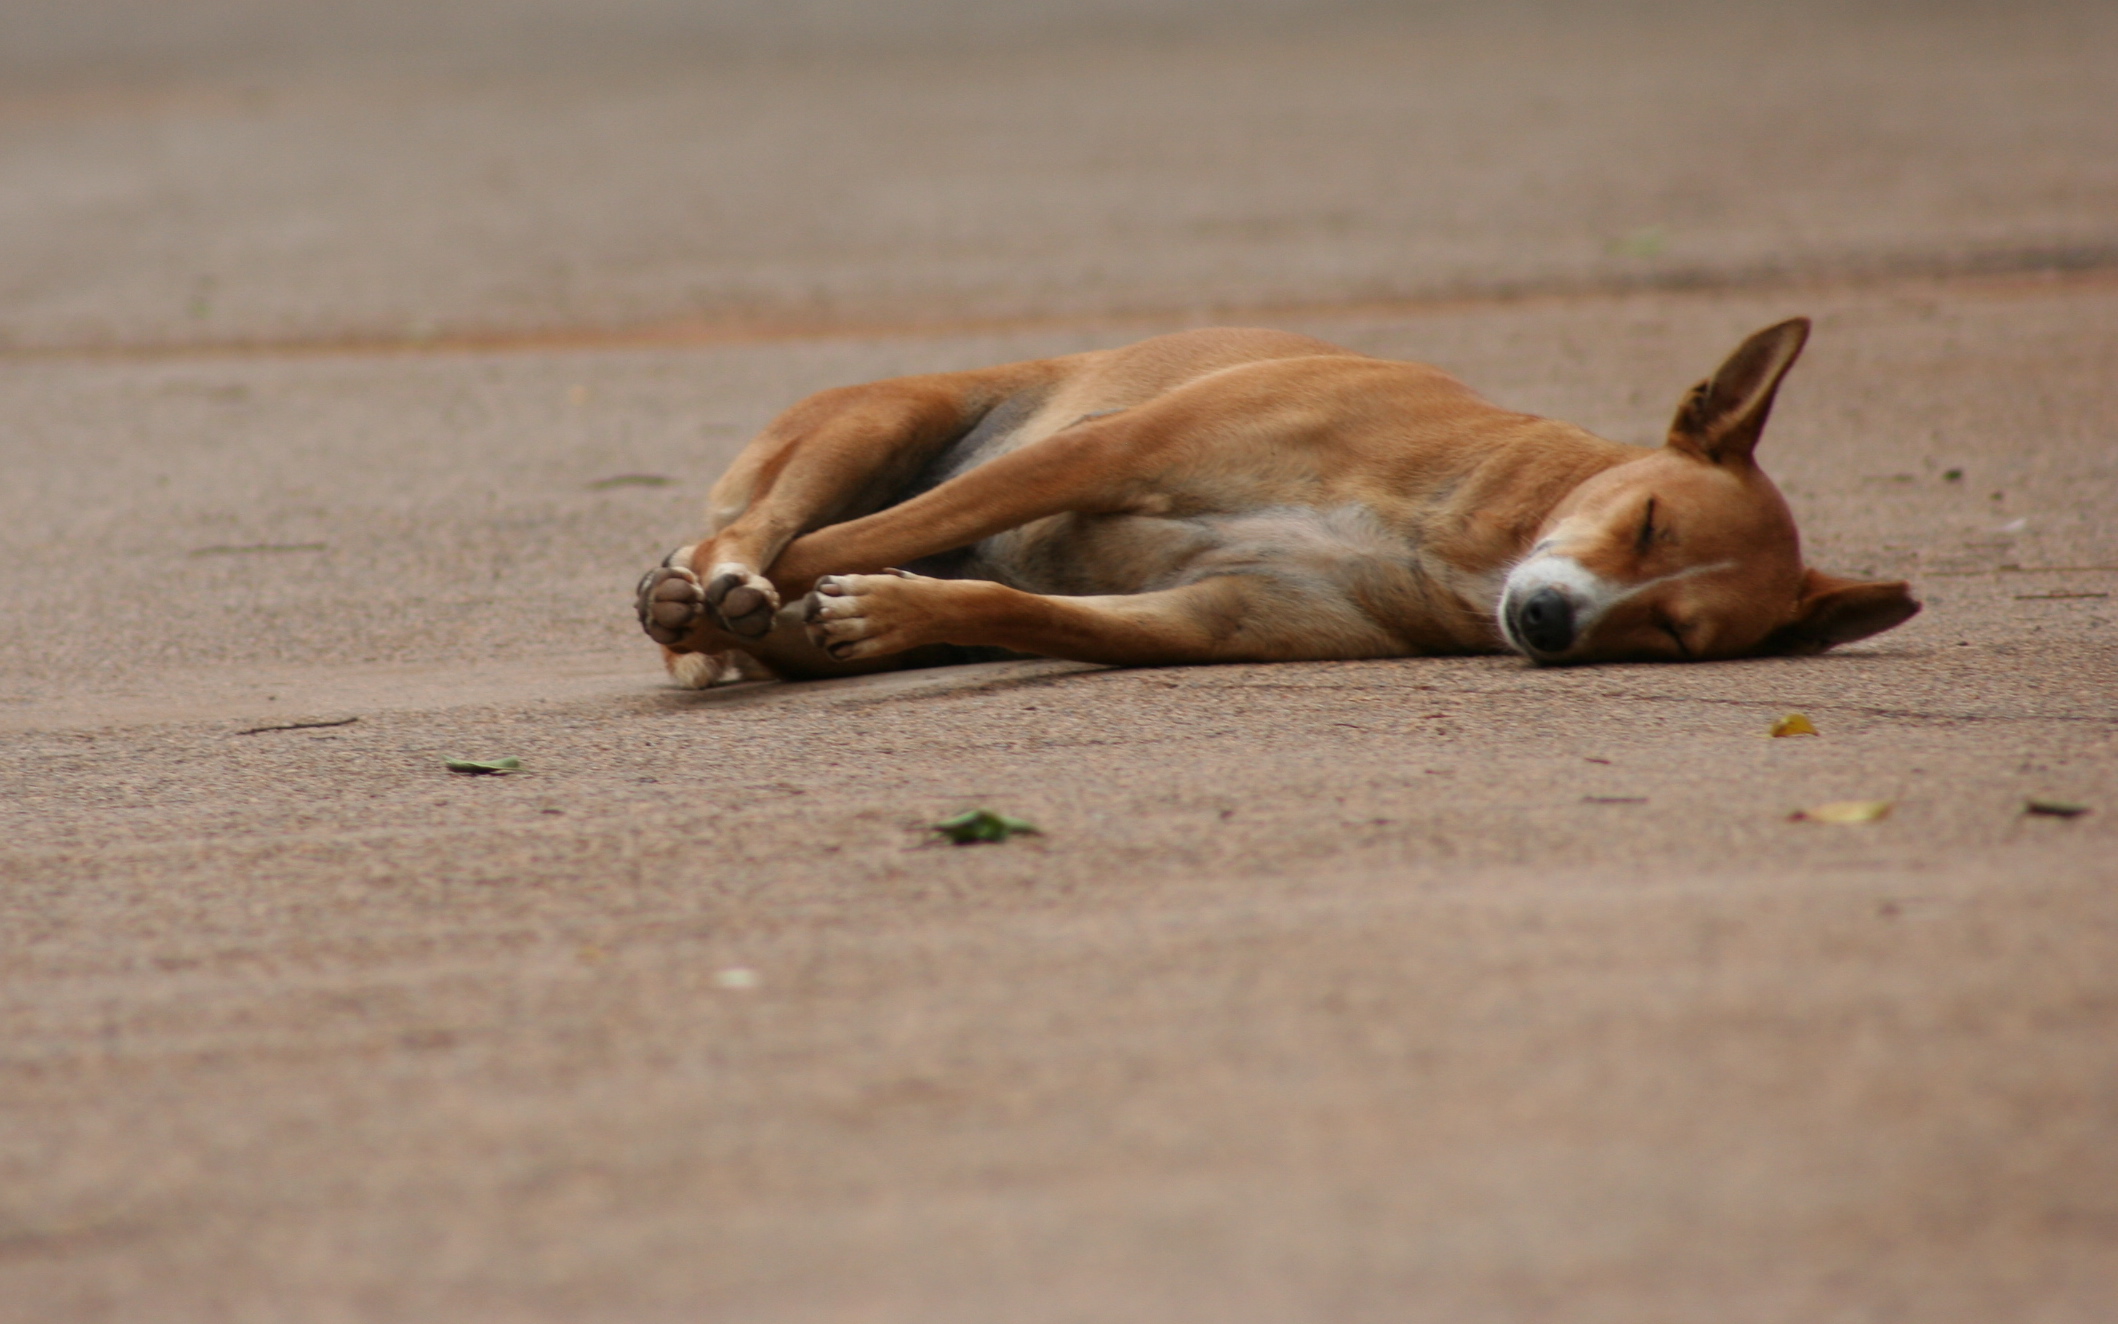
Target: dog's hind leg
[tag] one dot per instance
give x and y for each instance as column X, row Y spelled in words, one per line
column 835, row 456
column 1233, row 440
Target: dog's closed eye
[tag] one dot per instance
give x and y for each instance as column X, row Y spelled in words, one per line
column 1646, row 537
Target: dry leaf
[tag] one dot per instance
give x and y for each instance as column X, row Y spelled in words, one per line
column 1794, row 724
column 1846, row 811
column 2055, row 808
column 296, row 726
column 484, row 767
column 244, row 549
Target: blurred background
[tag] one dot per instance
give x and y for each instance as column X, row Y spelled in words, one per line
column 185, row 172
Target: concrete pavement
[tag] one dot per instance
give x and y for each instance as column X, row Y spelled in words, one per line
column 1432, row 990
column 409, row 172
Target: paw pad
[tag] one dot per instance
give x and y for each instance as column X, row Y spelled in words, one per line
column 669, row 600
column 744, row 601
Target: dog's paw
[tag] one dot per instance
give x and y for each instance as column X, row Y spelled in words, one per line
column 696, row 671
column 670, row 600
column 856, row 616
column 741, row 599
column 699, row 671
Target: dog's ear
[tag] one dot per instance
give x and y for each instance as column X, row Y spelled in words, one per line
column 1838, row 611
column 1722, row 416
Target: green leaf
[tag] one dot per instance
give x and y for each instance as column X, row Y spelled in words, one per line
column 631, row 480
column 1648, row 241
column 483, row 767
column 983, row 825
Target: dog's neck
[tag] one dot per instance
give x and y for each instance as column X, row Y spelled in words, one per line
column 1474, row 518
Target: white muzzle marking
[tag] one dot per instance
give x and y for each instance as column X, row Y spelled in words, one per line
column 1590, row 594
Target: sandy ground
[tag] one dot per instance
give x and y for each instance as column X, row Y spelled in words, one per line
column 1443, row 990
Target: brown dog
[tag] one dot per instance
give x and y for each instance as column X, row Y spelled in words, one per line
column 1235, row 495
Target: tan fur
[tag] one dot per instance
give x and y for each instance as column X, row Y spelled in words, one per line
column 1248, row 495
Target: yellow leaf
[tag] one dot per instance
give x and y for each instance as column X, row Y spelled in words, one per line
column 1794, row 724
column 1846, row 811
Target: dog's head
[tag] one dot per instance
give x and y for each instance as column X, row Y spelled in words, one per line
column 1690, row 552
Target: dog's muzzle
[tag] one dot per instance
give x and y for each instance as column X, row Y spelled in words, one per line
column 1542, row 622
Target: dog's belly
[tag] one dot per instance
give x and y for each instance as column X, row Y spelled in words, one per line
column 1080, row 555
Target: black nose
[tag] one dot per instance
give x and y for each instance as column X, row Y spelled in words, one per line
column 1545, row 621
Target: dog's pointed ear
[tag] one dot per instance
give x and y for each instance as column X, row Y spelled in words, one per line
column 1838, row 611
column 1722, row 417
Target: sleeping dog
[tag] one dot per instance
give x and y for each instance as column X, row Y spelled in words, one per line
column 1244, row 495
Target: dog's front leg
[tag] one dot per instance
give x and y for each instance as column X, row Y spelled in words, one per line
column 1225, row 618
